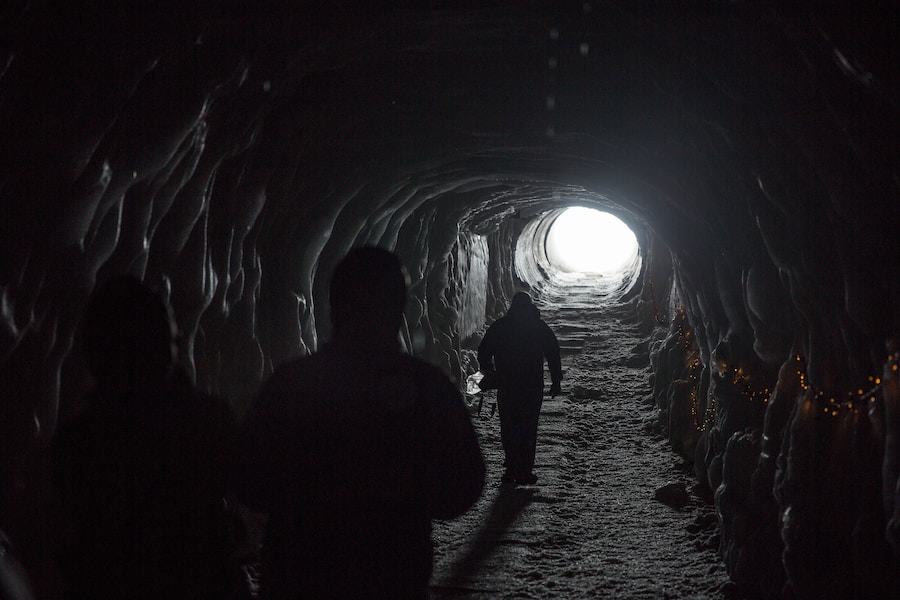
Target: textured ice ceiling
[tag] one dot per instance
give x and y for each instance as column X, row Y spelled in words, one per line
column 230, row 153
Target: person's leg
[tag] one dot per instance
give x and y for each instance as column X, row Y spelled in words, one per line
column 520, row 410
column 529, row 426
column 513, row 433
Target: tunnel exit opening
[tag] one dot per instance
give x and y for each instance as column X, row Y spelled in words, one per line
column 588, row 241
column 579, row 245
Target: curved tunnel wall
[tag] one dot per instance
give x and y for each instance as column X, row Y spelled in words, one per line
column 231, row 157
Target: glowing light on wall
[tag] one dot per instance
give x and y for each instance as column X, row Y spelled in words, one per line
column 584, row 240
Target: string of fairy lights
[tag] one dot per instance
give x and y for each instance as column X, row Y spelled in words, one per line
column 853, row 400
column 748, row 388
column 695, row 365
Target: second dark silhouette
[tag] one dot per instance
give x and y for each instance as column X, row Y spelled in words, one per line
column 354, row 450
column 141, row 474
column 513, row 351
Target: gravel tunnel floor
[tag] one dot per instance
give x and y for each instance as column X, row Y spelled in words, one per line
column 590, row 527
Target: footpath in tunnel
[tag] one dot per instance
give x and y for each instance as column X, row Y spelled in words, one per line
column 590, row 527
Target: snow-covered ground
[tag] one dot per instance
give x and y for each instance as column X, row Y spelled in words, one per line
column 591, row 527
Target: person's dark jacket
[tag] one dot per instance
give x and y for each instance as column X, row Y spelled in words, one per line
column 516, row 345
column 352, row 455
column 141, row 481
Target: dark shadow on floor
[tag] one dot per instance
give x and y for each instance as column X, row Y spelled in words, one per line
column 510, row 501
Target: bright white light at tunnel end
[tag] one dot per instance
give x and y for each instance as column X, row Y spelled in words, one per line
column 585, row 240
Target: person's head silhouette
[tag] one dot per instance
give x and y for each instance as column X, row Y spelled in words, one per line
column 520, row 300
column 128, row 334
column 521, row 308
column 367, row 296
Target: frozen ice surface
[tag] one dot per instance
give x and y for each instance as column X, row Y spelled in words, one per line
column 591, row 527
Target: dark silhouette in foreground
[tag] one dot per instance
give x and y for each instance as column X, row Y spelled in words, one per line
column 353, row 451
column 14, row 582
column 513, row 351
column 141, row 474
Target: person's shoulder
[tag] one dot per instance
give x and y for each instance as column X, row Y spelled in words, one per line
column 304, row 361
column 81, row 435
column 290, row 380
column 69, row 432
column 500, row 324
column 297, row 367
column 97, row 412
column 499, row 321
column 546, row 330
column 418, row 366
column 216, row 409
column 425, row 372
column 185, row 392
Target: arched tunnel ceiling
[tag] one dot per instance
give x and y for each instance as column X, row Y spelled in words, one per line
column 703, row 102
column 206, row 144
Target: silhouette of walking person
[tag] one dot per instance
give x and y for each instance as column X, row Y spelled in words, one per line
column 354, row 450
column 514, row 349
column 141, row 474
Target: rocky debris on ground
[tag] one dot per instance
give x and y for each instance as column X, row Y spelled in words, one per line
column 673, row 494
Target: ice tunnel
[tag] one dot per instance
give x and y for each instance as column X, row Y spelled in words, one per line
column 231, row 153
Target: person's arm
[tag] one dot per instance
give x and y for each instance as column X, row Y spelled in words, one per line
column 554, row 361
column 263, row 450
column 457, row 466
column 66, row 473
column 486, row 351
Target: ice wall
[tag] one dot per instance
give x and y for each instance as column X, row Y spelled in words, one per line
column 230, row 155
column 471, row 279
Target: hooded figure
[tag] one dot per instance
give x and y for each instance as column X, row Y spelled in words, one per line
column 515, row 347
column 141, row 474
column 354, row 450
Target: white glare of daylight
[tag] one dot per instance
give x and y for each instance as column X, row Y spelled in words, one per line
column 584, row 240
